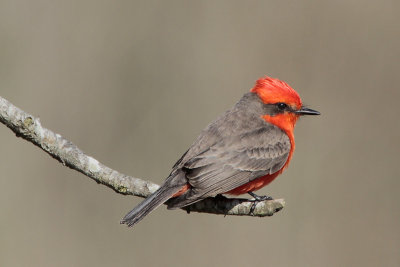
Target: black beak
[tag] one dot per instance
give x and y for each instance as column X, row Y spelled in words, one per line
column 306, row 111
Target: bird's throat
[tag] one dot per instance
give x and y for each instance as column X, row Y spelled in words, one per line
column 286, row 123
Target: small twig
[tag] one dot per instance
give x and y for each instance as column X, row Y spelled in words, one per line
column 29, row 128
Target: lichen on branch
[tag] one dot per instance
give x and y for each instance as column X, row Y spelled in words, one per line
column 29, row 128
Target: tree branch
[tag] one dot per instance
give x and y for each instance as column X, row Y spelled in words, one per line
column 29, row 128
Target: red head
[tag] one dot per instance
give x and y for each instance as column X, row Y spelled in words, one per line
column 285, row 102
column 272, row 91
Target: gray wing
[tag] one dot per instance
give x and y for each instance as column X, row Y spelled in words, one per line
column 233, row 161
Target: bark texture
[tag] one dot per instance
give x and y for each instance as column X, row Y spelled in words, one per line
column 29, row 128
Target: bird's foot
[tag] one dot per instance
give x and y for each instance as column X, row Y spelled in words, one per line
column 257, row 199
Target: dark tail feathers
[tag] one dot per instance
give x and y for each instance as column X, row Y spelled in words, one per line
column 171, row 186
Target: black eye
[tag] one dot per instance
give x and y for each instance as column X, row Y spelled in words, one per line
column 281, row 106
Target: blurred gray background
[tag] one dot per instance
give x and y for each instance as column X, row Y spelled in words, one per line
column 133, row 82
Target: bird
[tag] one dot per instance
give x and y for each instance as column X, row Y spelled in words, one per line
column 243, row 150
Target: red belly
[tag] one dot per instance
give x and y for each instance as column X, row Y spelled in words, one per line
column 254, row 185
column 243, row 189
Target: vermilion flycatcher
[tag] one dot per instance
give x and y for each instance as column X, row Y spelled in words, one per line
column 240, row 152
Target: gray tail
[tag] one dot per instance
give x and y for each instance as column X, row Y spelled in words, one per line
column 171, row 186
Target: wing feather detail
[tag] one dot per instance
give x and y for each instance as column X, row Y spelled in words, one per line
column 234, row 161
column 235, row 149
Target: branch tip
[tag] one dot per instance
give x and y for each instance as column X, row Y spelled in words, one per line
column 29, row 128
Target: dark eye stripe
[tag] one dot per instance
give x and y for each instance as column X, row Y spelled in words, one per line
column 281, row 106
